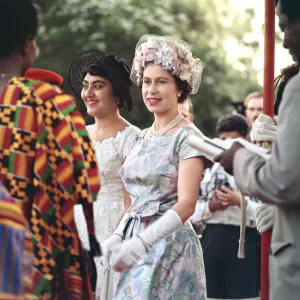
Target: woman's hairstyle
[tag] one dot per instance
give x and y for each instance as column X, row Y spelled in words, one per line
column 231, row 123
column 18, row 24
column 174, row 55
column 185, row 89
column 111, row 67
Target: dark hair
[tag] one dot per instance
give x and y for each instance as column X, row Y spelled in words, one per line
column 181, row 85
column 184, row 87
column 111, row 67
column 230, row 123
column 120, row 90
column 291, row 8
column 190, row 105
column 281, row 81
column 18, row 24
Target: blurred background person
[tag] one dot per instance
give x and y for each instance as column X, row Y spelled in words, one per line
column 218, row 208
column 187, row 110
column 253, row 107
column 253, row 104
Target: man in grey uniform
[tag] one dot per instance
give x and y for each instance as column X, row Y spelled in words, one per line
column 277, row 181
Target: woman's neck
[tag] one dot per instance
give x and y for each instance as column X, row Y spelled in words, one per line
column 107, row 122
column 161, row 120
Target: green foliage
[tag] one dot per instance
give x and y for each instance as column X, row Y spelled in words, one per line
column 71, row 26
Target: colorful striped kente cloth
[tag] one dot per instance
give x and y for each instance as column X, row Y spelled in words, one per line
column 47, row 163
column 16, row 257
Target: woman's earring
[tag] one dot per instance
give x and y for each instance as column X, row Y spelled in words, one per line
column 118, row 101
column 179, row 95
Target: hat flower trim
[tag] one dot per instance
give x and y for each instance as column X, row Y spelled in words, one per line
column 177, row 59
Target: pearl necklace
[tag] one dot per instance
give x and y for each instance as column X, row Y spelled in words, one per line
column 163, row 130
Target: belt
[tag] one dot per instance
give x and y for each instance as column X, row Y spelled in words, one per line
column 134, row 220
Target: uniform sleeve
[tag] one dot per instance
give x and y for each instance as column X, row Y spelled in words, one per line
column 275, row 180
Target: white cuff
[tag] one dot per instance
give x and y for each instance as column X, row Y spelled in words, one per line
column 161, row 228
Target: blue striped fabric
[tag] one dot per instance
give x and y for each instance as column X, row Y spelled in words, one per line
column 13, row 256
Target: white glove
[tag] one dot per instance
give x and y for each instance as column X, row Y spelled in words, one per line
column 127, row 254
column 113, row 241
column 106, row 248
column 265, row 217
column 264, row 129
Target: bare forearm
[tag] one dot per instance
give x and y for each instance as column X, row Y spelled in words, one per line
column 185, row 209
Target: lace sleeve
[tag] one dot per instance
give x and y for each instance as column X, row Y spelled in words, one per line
column 128, row 140
column 89, row 128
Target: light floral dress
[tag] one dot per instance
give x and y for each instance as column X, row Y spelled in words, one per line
column 109, row 205
column 174, row 268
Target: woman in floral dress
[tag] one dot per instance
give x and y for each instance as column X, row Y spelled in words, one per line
column 161, row 257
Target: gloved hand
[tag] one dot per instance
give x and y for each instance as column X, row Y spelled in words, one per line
column 113, row 241
column 265, row 217
column 264, row 129
column 107, row 246
column 226, row 157
column 127, row 254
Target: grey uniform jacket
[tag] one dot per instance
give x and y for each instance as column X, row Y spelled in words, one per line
column 277, row 181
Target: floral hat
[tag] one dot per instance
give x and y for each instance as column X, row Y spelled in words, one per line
column 172, row 54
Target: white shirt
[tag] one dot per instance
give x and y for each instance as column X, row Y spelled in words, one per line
column 230, row 215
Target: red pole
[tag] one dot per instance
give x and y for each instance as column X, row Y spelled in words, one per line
column 268, row 110
column 269, row 57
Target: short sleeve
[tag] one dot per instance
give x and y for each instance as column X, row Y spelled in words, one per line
column 185, row 151
column 128, row 140
column 89, row 128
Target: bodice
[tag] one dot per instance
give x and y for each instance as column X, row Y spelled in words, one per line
column 109, row 205
column 150, row 172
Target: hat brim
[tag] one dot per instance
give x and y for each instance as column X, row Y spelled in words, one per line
column 80, row 65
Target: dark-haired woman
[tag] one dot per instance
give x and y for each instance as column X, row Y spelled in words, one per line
column 103, row 82
column 161, row 257
column 47, row 163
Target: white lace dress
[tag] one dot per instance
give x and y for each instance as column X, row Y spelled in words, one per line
column 109, row 205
